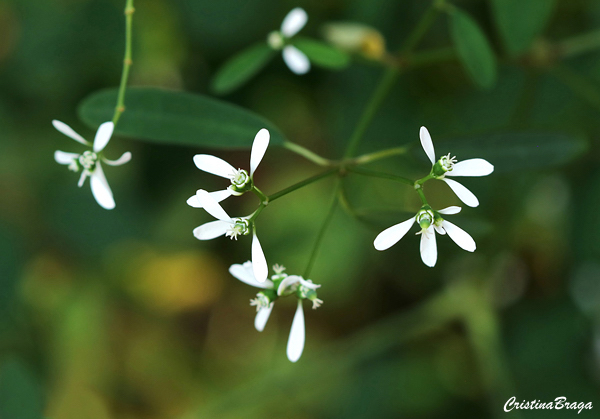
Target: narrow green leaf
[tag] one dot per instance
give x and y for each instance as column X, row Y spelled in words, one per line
column 241, row 67
column 473, row 49
column 510, row 152
column 520, row 22
column 322, row 54
column 172, row 117
column 20, row 394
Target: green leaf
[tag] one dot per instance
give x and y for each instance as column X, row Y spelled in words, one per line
column 510, row 152
column 473, row 49
column 322, row 54
column 20, row 394
column 172, row 117
column 241, row 67
column 520, row 22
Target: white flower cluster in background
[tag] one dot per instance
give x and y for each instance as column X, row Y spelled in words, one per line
column 295, row 59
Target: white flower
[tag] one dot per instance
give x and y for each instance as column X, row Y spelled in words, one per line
column 240, row 180
column 230, row 227
column 295, row 59
column 447, row 166
column 430, row 221
column 89, row 161
column 280, row 284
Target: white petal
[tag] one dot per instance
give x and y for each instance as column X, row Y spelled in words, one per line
column 471, row 167
column 450, row 210
column 259, row 147
column 308, row 284
column 62, row 157
column 260, row 321
column 460, row 236
column 427, row 144
column 214, row 165
column 259, row 262
column 69, row 132
column 293, row 22
column 218, row 196
column 440, row 229
column 462, row 192
column 103, row 135
column 392, row 235
column 211, row 206
column 247, row 276
column 428, row 248
column 211, row 230
column 126, row 157
column 287, row 282
column 296, row 60
column 100, row 188
column 295, row 344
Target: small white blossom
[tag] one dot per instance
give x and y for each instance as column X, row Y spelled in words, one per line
column 89, row 161
column 230, row 227
column 241, row 181
column 295, row 59
column 448, row 166
column 280, row 284
column 430, row 222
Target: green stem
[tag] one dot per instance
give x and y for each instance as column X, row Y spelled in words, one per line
column 322, row 230
column 371, row 157
column 381, row 175
column 301, row 184
column 579, row 44
column 127, row 62
column 264, row 199
column 390, row 76
column 422, row 196
column 254, row 215
column 429, row 57
column 421, row 181
column 307, row 154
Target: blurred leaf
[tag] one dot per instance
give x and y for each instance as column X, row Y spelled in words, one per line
column 517, row 151
column 519, row 22
column 20, row 394
column 473, row 49
column 241, row 67
column 171, row 117
column 322, row 54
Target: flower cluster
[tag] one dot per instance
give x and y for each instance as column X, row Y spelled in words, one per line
column 89, row 161
column 431, row 221
column 279, row 285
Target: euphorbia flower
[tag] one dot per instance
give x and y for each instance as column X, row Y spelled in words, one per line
column 448, row 166
column 430, row 221
column 230, row 227
column 89, row 161
column 241, row 182
column 295, row 59
column 279, row 285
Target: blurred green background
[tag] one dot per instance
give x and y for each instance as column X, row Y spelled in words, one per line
column 124, row 314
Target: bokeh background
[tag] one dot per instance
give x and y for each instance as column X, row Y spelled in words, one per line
column 124, row 314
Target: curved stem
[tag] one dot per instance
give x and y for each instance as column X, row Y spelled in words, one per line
column 307, row 154
column 381, row 175
column 322, row 230
column 371, row 157
column 389, row 78
column 127, row 62
column 301, row 184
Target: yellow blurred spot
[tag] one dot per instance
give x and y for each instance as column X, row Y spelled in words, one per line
column 178, row 282
column 76, row 401
column 356, row 38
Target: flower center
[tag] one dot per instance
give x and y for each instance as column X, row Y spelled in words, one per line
column 447, row 162
column 261, row 301
column 275, row 40
column 88, row 160
column 240, row 182
column 240, row 227
column 425, row 218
